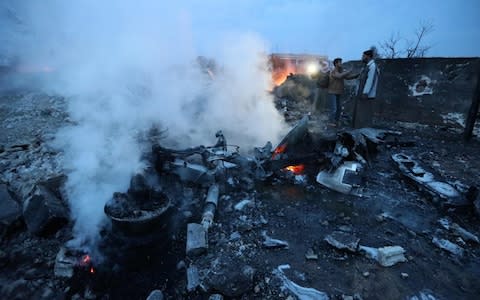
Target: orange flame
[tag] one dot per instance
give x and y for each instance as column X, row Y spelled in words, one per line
column 280, row 75
column 279, row 150
column 297, row 170
column 86, row 259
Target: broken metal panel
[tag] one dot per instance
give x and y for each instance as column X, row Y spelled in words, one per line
column 297, row 134
column 191, row 172
column 300, row 292
column 344, row 179
column 428, row 182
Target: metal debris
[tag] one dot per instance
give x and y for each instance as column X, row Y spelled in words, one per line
column 386, row 256
column 343, row 241
column 196, row 239
column 428, row 182
column 344, row 179
column 273, row 243
column 448, row 246
column 302, row 293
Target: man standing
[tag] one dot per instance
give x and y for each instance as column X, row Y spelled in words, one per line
column 367, row 91
column 336, row 88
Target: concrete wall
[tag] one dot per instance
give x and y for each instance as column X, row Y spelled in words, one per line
column 423, row 90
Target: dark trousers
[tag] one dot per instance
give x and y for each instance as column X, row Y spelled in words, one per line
column 335, row 107
column 363, row 113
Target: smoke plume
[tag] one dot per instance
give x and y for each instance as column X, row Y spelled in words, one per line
column 126, row 65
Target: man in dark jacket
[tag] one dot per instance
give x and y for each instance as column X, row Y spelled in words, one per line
column 336, row 86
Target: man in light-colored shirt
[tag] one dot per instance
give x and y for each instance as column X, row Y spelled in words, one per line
column 363, row 108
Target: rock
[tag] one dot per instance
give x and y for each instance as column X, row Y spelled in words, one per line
column 404, row 275
column 155, row 295
column 10, row 211
column 181, row 265
column 310, row 255
column 366, row 274
column 215, row 297
column 64, row 264
column 235, row 236
column 343, row 241
column 241, row 205
column 232, row 280
column 193, row 278
column 196, row 240
column 43, row 212
column 390, row 255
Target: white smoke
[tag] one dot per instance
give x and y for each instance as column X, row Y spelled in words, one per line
column 125, row 65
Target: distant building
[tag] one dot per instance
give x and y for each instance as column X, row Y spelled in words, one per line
column 283, row 64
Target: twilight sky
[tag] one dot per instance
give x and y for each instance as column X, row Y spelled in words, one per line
column 342, row 27
column 326, row 27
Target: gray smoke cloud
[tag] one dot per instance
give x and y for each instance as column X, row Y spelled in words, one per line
column 125, row 65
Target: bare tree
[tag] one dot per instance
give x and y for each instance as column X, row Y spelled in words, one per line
column 390, row 47
column 412, row 48
column 415, row 48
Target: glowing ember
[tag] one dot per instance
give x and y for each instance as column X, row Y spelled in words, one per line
column 86, row 259
column 297, row 170
column 279, row 150
column 92, row 270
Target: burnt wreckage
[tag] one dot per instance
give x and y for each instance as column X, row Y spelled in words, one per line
column 335, row 161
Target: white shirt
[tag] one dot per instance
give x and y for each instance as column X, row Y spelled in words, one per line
column 371, row 83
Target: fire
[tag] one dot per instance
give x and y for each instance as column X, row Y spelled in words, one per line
column 92, row 271
column 86, row 259
column 298, row 169
column 279, row 76
column 279, row 150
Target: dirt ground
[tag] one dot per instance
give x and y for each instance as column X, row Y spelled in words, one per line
column 389, row 211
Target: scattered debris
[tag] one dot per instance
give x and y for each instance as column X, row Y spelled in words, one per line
column 156, row 295
column 343, row 241
column 211, row 203
column 240, row 205
column 448, row 246
column 423, row 295
column 302, row 293
column 273, row 243
column 311, row 255
column 64, row 265
column 427, row 181
column 386, row 256
column 196, row 239
column 459, row 231
column 193, row 278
